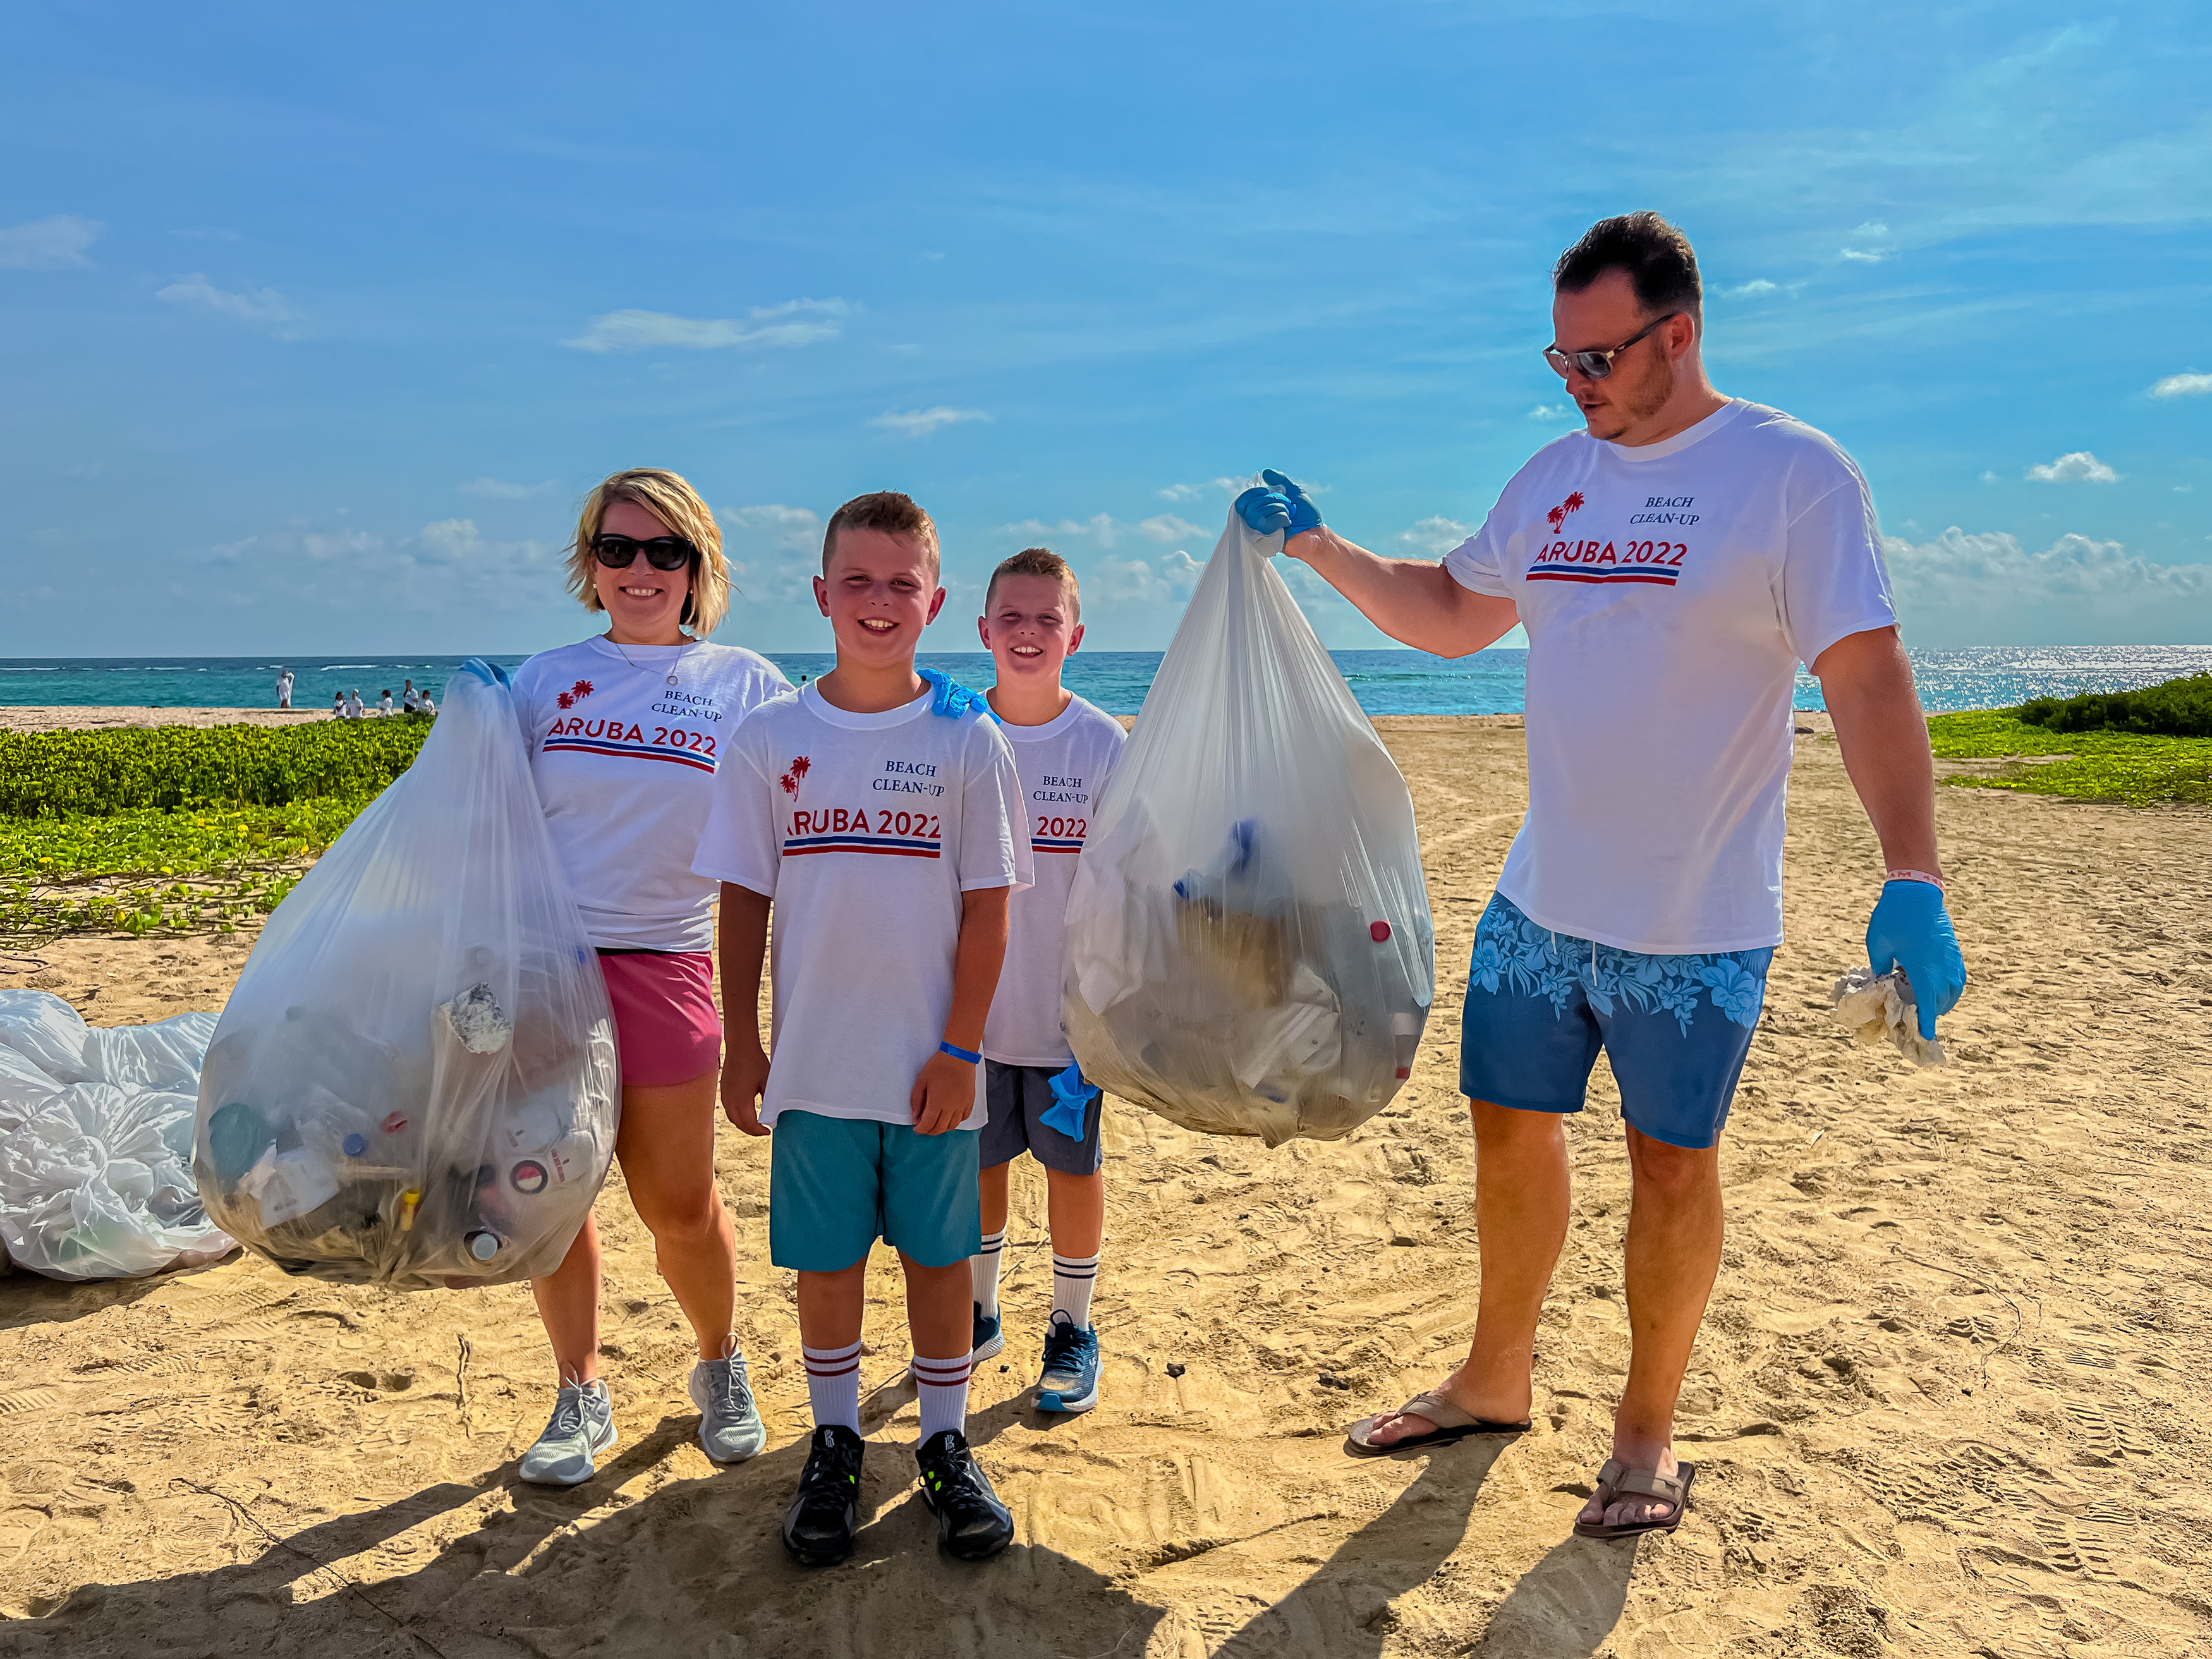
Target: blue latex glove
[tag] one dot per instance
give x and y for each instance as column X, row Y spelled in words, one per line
column 1070, row 1103
column 487, row 671
column 951, row 698
column 1911, row 931
column 1277, row 504
column 1304, row 515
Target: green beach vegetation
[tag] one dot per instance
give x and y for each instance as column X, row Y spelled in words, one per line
column 178, row 829
column 2138, row 748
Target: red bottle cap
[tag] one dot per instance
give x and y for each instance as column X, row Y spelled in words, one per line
column 1378, row 931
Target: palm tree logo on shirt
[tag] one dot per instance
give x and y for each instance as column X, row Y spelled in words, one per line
column 1558, row 515
column 567, row 699
column 790, row 780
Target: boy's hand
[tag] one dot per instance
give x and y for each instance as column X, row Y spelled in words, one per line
column 745, row 1080
column 943, row 1095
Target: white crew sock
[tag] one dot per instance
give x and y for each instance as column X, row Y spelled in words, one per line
column 833, row 1385
column 983, row 1272
column 942, row 1386
column 1072, row 1276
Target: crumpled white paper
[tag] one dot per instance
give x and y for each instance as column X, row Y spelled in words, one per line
column 1881, row 1009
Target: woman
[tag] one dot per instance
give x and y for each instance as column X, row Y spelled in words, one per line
column 625, row 728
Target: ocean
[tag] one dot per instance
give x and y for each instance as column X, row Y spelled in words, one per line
column 1385, row 682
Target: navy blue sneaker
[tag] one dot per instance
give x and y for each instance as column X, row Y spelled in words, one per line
column 989, row 1338
column 1069, row 1383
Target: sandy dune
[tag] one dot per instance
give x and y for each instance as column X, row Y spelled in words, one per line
column 1950, row 1400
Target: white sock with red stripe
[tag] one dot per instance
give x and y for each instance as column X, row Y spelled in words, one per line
column 943, row 1384
column 833, row 1385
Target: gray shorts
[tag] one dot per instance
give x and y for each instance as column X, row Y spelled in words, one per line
column 1018, row 1097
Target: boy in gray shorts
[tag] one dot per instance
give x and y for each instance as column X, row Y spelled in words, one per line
column 1039, row 1103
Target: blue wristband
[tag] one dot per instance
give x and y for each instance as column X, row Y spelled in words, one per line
column 968, row 1055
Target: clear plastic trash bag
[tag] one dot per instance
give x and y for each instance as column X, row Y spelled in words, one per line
column 96, row 1142
column 1250, row 948
column 414, row 1082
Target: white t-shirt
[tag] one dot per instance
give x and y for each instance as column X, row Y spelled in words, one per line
column 624, row 762
column 1063, row 765
column 864, row 829
column 1669, row 591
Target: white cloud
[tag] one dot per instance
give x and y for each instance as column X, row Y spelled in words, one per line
column 1751, row 290
column 921, row 422
column 2079, row 467
column 1101, row 527
column 1978, row 589
column 775, row 550
column 1433, row 538
column 1188, row 492
column 1865, row 257
column 2183, row 386
column 48, row 244
column 1991, row 478
column 1114, row 579
column 1167, row 527
column 1872, row 231
column 498, row 490
column 1550, row 412
column 794, row 323
column 263, row 307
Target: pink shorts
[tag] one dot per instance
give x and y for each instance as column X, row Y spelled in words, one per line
column 667, row 1029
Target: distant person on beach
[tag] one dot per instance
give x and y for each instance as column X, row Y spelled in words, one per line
column 1673, row 562
column 337, row 705
column 627, row 729
column 408, row 701
column 384, row 703
column 353, row 708
column 425, row 704
column 284, row 689
column 1039, row 1102
column 880, row 812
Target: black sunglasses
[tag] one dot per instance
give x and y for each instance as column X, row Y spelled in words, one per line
column 662, row 552
column 1596, row 365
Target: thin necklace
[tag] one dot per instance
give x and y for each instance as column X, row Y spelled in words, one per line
column 675, row 663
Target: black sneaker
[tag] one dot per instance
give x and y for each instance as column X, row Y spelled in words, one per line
column 972, row 1524
column 818, row 1527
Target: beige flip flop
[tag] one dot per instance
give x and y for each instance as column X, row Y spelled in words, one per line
column 1451, row 1424
column 1616, row 1480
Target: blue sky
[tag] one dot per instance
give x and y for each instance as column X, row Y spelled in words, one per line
column 316, row 325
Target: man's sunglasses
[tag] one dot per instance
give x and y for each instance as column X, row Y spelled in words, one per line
column 662, row 552
column 1596, row 365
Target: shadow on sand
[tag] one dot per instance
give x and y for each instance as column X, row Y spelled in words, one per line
column 694, row 1568
column 1563, row 1608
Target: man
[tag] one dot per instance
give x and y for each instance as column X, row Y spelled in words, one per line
column 284, row 689
column 1673, row 562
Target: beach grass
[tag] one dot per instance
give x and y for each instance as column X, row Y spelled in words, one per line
column 2130, row 767
column 177, row 829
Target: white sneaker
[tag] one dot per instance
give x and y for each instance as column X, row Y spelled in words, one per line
column 583, row 1427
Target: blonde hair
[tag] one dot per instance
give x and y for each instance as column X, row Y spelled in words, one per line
column 672, row 500
column 1039, row 562
column 885, row 510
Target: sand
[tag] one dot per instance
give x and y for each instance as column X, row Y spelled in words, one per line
column 1950, row 1399
column 96, row 719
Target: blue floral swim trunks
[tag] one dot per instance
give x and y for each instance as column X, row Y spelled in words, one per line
column 1540, row 1005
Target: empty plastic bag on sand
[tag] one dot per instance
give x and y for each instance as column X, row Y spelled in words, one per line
column 96, row 1142
column 414, row 1082
column 1249, row 950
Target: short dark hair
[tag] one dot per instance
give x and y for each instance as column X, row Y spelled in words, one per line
column 1655, row 255
column 885, row 510
column 1037, row 562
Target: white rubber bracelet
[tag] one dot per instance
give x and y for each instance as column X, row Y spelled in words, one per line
column 1936, row 882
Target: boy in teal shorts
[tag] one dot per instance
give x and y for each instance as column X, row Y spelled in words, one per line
column 880, row 810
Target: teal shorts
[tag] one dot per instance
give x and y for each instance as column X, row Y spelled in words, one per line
column 838, row 1184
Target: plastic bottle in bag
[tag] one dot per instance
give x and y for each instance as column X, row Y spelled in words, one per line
column 1249, row 947
column 421, row 1015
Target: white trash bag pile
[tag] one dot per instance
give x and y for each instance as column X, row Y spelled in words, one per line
column 1249, row 947
column 415, row 1082
column 96, row 1142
